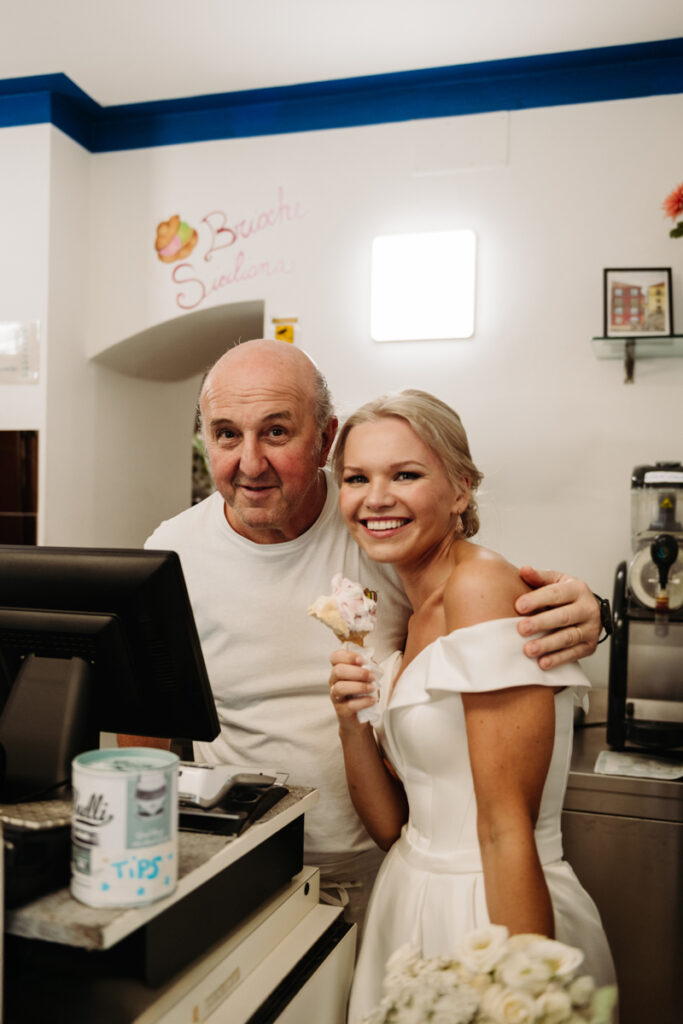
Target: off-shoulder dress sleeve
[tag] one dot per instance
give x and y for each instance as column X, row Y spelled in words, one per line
column 478, row 659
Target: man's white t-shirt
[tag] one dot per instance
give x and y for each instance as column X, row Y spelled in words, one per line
column 268, row 660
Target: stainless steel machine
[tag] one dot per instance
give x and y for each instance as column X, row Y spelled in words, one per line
column 645, row 696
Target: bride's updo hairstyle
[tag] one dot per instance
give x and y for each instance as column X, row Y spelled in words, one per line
column 437, row 425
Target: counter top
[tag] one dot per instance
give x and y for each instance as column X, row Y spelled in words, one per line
column 58, row 917
column 587, row 790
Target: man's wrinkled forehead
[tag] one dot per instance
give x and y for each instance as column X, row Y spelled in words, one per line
column 237, row 400
column 260, row 378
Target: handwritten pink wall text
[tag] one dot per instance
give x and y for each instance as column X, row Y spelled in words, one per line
column 223, row 234
column 200, row 290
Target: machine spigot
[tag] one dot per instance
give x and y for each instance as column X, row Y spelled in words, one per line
column 664, row 552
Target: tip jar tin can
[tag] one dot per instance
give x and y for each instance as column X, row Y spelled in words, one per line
column 124, row 826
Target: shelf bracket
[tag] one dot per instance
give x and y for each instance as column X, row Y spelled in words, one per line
column 629, row 360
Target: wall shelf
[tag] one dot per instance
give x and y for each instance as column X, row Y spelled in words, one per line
column 630, row 349
column 645, row 348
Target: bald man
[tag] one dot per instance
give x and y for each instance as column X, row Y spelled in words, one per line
column 258, row 551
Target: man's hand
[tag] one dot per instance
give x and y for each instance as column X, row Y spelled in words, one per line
column 566, row 608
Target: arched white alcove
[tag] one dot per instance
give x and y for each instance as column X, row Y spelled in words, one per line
column 183, row 347
column 135, row 459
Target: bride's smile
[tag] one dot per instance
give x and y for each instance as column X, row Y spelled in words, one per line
column 396, row 498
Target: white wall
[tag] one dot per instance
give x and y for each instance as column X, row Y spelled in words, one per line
column 103, row 431
column 24, row 205
column 66, row 497
column 99, row 432
column 555, row 195
column 143, row 455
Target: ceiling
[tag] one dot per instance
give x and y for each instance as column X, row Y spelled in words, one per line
column 132, row 51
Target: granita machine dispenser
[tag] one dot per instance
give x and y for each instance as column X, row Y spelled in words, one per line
column 645, row 696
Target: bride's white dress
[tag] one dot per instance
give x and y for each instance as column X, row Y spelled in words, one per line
column 430, row 888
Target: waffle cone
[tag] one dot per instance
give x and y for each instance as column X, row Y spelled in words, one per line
column 352, row 638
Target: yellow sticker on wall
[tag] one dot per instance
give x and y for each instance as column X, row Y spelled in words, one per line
column 284, row 328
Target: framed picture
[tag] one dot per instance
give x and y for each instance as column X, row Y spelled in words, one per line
column 637, row 302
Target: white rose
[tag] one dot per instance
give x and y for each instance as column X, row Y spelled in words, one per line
column 411, row 1015
column 523, row 971
column 505, row 1006
column 457, row 1006
column 525, row 940
column 561, row 959
column 418, row 1008
column 554, row 1006
column 403, row 960
column 434, row 966
column 479, row 982
column 581, row 990
column 480, row 950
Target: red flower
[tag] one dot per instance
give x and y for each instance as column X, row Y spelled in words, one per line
column 673, row 204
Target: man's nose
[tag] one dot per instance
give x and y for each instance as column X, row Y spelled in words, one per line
column 252, row 460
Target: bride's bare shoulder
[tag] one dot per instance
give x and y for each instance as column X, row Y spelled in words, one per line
column 482, row 586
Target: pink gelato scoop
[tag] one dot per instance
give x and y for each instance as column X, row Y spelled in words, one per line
column 350, row 610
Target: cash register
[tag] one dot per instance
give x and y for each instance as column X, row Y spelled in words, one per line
column 91, row 641
column 104, row 640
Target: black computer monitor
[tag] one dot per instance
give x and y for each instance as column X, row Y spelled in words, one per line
column 93, row 640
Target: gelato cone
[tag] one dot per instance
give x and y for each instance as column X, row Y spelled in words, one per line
column 350, row 611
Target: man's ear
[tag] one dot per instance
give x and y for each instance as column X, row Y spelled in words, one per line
column 327, row 439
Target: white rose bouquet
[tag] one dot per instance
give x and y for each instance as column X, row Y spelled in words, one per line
column 493, row 978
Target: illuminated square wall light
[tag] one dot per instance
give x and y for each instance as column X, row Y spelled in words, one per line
column 423, row 286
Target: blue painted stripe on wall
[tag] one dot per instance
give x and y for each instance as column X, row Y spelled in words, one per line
column 580, row 76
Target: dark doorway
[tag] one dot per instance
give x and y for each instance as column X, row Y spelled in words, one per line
column 18, row 486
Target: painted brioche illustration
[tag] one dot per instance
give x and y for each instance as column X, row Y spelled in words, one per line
column 175, row 239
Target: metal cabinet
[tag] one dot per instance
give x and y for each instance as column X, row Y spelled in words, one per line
column 624, row 838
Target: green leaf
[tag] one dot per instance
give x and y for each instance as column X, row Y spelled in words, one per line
column 602, row 1004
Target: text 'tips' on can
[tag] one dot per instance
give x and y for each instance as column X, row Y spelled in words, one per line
column 124, row 826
